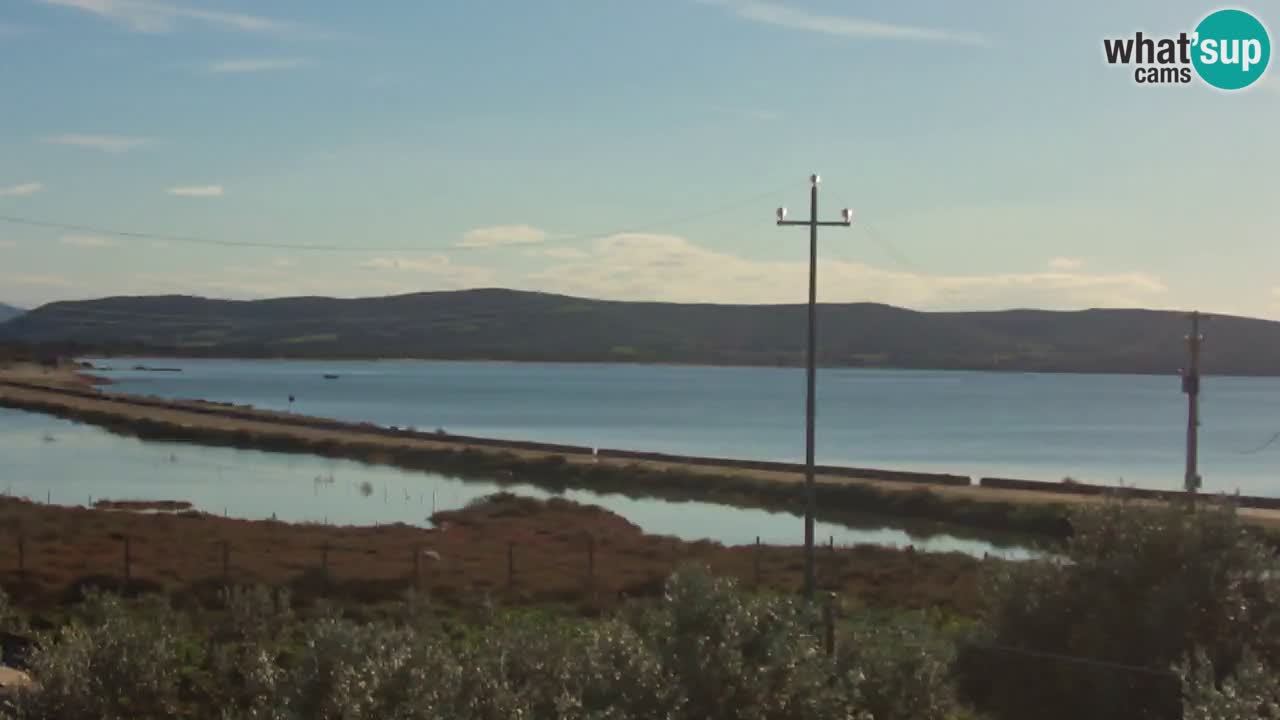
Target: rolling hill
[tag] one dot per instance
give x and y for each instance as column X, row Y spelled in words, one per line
column 8, row 312
column 512, row 325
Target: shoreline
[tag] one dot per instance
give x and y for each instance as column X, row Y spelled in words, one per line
column 172, row 355
column 848, row 495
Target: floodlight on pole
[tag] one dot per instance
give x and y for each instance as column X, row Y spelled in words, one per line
column 810, row 500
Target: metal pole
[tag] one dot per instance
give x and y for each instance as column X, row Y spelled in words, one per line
column 810, row 501
column 1191, row 386
column 810, row 382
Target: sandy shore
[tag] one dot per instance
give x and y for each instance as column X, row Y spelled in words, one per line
column 63, row 389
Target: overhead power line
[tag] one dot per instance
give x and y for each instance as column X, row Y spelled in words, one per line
column 219, row 242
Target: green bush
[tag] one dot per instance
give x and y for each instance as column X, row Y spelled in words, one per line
column 1253, row 693
column 903, row 667
column 1140, row 588
column 707, row 650
column 111, row 663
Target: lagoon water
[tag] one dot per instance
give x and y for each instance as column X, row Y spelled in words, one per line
column 48, row 459
column 1097, row 428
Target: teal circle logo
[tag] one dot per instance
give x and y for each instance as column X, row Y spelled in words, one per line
column 1232, row 49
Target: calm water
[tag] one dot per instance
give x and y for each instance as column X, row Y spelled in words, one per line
column 1099, row 428
column 49, row 459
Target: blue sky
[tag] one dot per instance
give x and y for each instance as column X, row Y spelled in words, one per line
column 631, row 150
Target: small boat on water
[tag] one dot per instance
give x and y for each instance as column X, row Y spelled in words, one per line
column 329, row 376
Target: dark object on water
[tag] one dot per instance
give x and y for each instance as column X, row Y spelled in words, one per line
column 158, row 369
column 330, row 377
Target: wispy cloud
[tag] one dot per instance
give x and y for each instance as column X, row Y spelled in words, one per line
column 748, row 113
column 37, row 280
column 664, row 267
column 442, row 271
column 30, row 188
column 158, row 16
column 502, row 235
column 8, row 244
column 1065, row 263
column 105, row 143
column 432, row 263
column 557, row 253
column 254, row 65
column 87, row 241
column 770, row 13
column 201, row 191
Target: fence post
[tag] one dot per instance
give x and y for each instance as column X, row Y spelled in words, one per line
column 226, row 562
column 511, row 565
column 417, row 568
column 829, row 624
column 756, row 564
column 591, row 565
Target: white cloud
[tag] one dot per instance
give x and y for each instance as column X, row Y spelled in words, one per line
column 157, row 16
column 196, row 191
column 557, row 253
column 664, row 267
column 502, row 235
column 105, row 143
column 1065, row 263
column 21, row 190
column 254, row 65
column 87, row 241
column 771, row 13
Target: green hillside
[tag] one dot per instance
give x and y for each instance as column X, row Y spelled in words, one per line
column 513, row 325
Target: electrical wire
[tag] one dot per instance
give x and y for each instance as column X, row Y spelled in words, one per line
column 1261, row 447
column 195, row 240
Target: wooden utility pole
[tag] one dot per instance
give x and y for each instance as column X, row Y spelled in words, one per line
column 1191, row 386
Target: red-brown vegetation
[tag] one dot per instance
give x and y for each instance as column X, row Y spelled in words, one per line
column 557, row 551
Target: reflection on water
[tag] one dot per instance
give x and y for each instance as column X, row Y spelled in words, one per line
column 50, row 459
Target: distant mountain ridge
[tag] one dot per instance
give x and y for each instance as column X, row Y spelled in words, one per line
column 8, row 312
column 494, row 324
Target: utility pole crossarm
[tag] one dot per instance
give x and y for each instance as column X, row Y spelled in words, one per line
column 810, row 502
